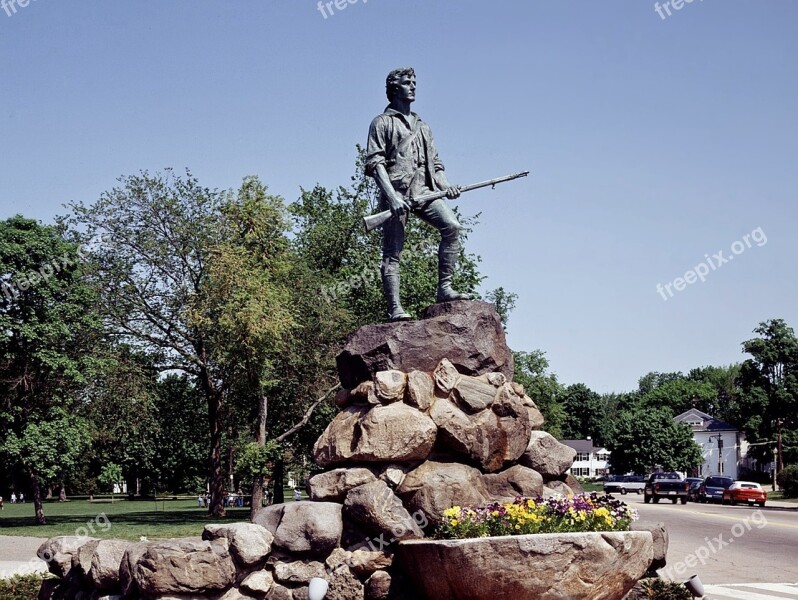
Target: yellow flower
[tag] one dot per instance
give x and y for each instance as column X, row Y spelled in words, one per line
column 495, row 513
column 454, row 522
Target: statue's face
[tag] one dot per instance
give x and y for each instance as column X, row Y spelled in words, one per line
column 406, row 88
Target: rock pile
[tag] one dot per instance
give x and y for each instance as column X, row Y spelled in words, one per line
column 430, row 418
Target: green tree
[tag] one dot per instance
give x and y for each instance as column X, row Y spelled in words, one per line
column 158, row 232
column 585, row 412
column 643, row 439
column 531, row 371
column 111, row 477
column 769, row 386
column 50, row 329
column 679, row 395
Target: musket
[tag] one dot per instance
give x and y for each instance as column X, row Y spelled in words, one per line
column 373, row 221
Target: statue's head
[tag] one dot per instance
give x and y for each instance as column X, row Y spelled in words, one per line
column 393, row 79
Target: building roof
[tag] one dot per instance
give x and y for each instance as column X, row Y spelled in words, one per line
column 582, row 445
column 701, row 421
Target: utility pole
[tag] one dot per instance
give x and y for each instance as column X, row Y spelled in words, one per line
column 775, row 464
column 780, row 462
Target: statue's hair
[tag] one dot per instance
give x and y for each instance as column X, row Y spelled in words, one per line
column 392, row 81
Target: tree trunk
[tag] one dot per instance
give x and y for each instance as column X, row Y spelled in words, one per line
column 279, row 496
column 214, row 399
column 62, row 493
column 37, row 499
column 260, row 440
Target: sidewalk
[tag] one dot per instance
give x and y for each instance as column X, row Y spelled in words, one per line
column 18, row 556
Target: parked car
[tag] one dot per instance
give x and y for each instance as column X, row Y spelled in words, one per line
column 712, row 488
column 624, row 484
column 745, row 491
column 692, row 491
column 665, row 485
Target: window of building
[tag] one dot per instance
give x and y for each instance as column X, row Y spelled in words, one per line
column 582, row 456
column 580, row 472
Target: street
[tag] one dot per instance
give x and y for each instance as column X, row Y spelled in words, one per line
column 729, row 545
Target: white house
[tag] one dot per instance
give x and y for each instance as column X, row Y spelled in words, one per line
column 590, row 461
column 722, row 445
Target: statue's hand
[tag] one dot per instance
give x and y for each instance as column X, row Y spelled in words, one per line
column 399, row 206
column 453, row 191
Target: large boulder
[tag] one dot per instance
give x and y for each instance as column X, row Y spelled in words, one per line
column 392, row 433
column 515, row 481
column 547, row 456
column 433, row 487
column 599, row 566
column 105, row 563
column 468, row 333
column 183, row 566
column 375, row 507
column 249, row 543
column 333, row 485
column 312, row 528
column 58, row 552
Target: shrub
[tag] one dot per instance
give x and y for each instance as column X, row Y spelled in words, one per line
column 657, row 589
column 21, row 587
column 787, row 479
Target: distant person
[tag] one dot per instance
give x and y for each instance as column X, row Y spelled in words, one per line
column 268, row 497
column 13, row 498
column 297, row 495
column 200, row 501
column 22, row 498
column 1, row 503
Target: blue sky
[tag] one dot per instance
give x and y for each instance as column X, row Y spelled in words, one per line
column 652, row 142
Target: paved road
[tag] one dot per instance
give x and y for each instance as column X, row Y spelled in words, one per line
column 18, row 555
column 729, row 545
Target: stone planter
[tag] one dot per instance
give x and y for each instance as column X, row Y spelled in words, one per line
column 562, row 566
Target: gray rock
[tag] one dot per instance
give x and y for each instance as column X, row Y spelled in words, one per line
column 57, row 552
column 333, row 485
column 468, row 333
column 660, row 537
column 183, row 566
column 390, row 385
column 365, row 562
column 515, row 481
column 378, row 586
column 598, row 566
column 556, row 488
column 420, row 390
column 249, row 543
column 392, row 433
column 446, row 376
column 514, row 422
column 343, row 585
column 547, row 456
column 393, row 475
column 269, row 517
column 280, row 592
column 299, row 571
column 379, row 511
column 106, row 561
column 343, row 398
column 473, row 395
column 81, row 559
column 233, row 594
column 365, row 393
column 310, row 527
column 434, row 486
column 132, row 555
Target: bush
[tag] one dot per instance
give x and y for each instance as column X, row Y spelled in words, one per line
column 21, row 587
column 657, row 589
column 787, row 479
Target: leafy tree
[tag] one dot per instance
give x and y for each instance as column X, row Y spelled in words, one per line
column 50, row 329
column 531, row 371
column 726, row 406
column 111, row 477
column 643, row 439
column 504, row 302
column 769, row 385
column 158, row 232
column 585, row 412
column 679, row 395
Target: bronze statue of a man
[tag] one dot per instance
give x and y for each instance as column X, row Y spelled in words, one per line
column 402, row 158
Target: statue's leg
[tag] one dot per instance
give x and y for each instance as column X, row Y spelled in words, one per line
column 393, row 240
column 441, row 216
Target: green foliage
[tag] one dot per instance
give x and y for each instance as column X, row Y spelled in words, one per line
column 21, row 587
column 110, row 476
column 531, row 371
column 787, row 479
column 643, row 439
column 585, row 413
column 659, row 589
column 504, row 302
column 769, row 384
column 257, row 461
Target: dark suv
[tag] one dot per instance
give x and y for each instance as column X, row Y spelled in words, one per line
column 712, row 489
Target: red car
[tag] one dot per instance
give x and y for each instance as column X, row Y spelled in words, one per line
column 745, row 491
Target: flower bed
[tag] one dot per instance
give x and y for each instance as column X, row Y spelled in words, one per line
column 580, row 513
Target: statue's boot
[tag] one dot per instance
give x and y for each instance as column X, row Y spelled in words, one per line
column 446, row 262
column 390, row 285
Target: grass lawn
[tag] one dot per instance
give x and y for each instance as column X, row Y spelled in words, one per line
column 780, row 497
column 122, row 519
column 593, row 487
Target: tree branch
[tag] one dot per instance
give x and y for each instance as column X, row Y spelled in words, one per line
column 308, row 414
